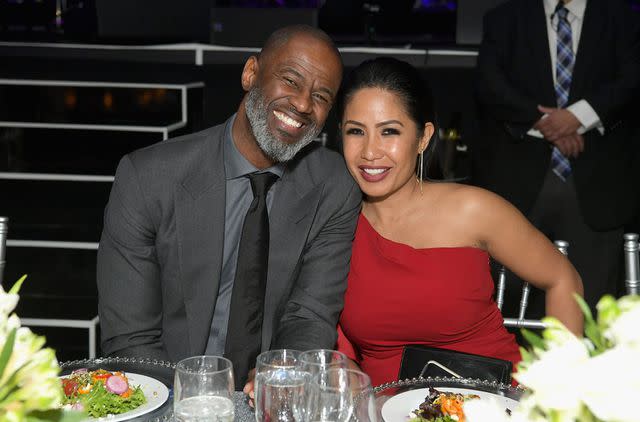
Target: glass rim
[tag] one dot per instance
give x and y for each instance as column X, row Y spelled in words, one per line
column 294, row 352
column 325, row 351
column 360, row 374
column 181, row 365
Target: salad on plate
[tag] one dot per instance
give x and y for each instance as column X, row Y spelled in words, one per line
column 440, row 406
column 100, row 393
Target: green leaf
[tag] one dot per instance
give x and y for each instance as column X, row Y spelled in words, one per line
column 588, row 316
column 594, row 334
column 10, row 385
column 608, row 311
column 7, row 350
column 55, row 415
column 533, row 339
column 16, row 287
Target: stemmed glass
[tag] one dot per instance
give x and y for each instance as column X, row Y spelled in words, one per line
column 203, row 390
column 341, row 395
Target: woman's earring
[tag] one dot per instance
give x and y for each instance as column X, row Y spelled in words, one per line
column 420, row 167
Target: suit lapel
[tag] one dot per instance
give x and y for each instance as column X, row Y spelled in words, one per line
column 539, row 41
column 293, row 210
column 592, row 26
column 200, row 210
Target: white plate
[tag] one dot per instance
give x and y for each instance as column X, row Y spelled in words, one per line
column 399, row 408
column 154, row 391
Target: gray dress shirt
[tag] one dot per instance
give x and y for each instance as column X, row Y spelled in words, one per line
column 238, row 199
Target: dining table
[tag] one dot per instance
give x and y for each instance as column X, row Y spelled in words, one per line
column 163, row 372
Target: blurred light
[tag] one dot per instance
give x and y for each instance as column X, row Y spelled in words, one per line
column 144, row 98
column 107, row 100
column 159, row 95
column 70, row 98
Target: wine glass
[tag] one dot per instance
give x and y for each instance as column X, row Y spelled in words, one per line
column 317, row 360
column 203, row 390
column 341, row 395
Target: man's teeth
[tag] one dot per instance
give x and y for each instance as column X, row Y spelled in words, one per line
column 374, row 171
column 287, row 120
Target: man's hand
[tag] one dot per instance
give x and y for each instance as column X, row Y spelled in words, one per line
column 570, row 146
column 557, row 123
column 248, row 387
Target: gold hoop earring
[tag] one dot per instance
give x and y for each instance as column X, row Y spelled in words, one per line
column 420, row 167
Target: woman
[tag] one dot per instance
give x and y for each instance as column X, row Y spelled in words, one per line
column 420, row 266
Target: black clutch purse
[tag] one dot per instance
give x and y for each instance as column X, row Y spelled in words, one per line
column 429, row 362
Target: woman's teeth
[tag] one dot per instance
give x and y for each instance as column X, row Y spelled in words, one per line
column 287, row 120
column 374, row 172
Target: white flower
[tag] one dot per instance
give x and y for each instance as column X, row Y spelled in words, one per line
column 8, row 302
column 29, row 381
column 484, row 410
column 613, row 390
column 624, row 330
column 556, row 375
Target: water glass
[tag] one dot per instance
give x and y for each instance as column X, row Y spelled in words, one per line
column 277, row 359
column 341, row 395
column 203, row 390
column 314, row 361
column 281, row 395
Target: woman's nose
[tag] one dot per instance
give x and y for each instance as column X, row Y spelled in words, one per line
column 370, row 150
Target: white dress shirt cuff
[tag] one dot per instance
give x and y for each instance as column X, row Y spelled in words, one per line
column 535, row 133
column 587, row 116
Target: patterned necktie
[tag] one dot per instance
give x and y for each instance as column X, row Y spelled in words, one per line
column 244, row 332
column 564, row 69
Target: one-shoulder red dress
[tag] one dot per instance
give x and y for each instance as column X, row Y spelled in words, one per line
column 437, row 297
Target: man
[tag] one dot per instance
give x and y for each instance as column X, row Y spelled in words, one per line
column 558, row 87
column 175, row 278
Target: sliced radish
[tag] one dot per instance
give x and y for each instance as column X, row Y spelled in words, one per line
column 116, row 384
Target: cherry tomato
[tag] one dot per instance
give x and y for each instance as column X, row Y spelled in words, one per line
column 70, row 386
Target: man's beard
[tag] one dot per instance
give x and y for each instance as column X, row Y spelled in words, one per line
column 277, row 150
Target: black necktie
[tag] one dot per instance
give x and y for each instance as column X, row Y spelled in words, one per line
column 244, row 331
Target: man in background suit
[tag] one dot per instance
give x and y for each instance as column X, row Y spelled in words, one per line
column 558, row 89
column 169, row 254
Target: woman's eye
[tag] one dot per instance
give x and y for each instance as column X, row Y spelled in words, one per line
column 390, row 131
column 354, row 131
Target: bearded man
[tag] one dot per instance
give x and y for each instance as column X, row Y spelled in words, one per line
column 237, row 239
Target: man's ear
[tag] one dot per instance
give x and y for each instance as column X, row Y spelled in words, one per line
column 249, row 73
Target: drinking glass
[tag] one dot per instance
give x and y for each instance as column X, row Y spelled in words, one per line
column 314, row 361
column 341, row 395
column 203, row 390
column 281, row 395
column 277, row 359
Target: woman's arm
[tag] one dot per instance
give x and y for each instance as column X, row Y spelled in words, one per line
column 512, row 240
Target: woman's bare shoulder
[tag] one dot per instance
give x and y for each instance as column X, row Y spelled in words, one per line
column 466, row 198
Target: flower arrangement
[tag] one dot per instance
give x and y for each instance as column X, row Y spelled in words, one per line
column 596, row 378
column 30, row 390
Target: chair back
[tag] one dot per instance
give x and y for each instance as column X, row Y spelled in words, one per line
column 4, row 228
column 521, row 321
column 631, row 265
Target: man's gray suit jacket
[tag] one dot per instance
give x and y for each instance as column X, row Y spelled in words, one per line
column 160, row 254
